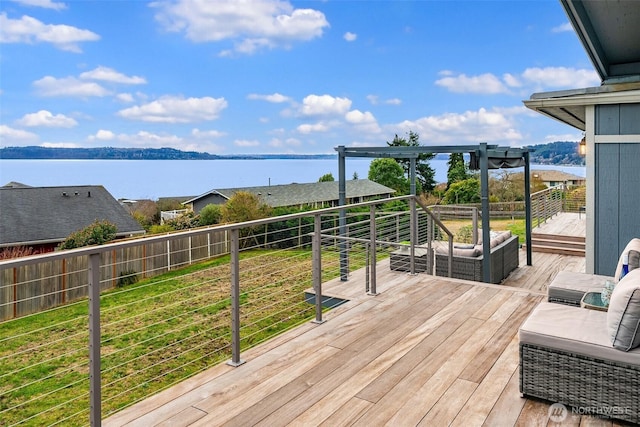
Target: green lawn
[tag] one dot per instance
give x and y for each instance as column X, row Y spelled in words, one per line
column 155, row 333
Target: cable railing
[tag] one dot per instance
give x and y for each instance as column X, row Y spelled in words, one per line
column 88, row 332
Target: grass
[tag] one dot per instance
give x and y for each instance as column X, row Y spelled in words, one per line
column 154, row 333
column 516, row 226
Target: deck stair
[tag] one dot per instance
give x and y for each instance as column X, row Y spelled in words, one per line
column 558, row 244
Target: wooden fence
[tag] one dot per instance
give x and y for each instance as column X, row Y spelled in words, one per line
column 36, row 287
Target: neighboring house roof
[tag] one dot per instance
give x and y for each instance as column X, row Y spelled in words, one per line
column 556, row 176
column 40, row 215
column 301, row 194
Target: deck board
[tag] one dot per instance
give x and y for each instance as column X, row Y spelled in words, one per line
column 424, row 351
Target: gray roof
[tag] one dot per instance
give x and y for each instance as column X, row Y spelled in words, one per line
column 32, row 215
column 308, row 193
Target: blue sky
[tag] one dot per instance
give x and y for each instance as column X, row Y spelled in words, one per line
column 265, row 76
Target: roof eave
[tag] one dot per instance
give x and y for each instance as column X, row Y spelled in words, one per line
column 568, row 106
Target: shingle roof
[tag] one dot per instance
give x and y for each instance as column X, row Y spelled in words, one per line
column 308, row 193
column 557, row 176
column 30, row 215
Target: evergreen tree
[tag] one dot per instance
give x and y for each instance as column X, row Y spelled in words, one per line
column 457, row 170
column 425, row 175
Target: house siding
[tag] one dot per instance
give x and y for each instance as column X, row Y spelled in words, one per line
column 617, row 177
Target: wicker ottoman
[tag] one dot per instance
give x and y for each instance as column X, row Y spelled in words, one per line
column 569, row 287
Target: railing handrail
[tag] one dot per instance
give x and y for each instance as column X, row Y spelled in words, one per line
column 89, row 250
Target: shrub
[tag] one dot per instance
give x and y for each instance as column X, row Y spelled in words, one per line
column 128, row 277
column 159, row 229
column 97, row 233
column 210, row 214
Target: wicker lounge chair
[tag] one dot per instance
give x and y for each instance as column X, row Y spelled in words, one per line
column 467, row 263
column 586, row 359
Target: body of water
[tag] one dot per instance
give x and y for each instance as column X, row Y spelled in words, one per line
column 152, row 179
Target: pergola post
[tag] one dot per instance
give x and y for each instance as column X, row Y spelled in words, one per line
column 527, row 206
column 484, row 198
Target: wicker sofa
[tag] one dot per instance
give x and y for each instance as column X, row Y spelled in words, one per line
column 467, row 261
column 585, row 359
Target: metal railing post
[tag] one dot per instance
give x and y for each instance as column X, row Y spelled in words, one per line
column 412, row 236
column 373, row 233
column 95, row 386
column 317, row 266
column 235, row 298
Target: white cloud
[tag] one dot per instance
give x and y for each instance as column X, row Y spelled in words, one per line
column 176, row 110
column 323, row 105
column 364, row 122
column 484, row 84
column 470, row 127
column 47, row 119
column 308, row 128
column 275, row 98
column 156, row 140
column 554, row 77
column 564, row 137
column 60, row 145
column 251, row 26
column 103, row 135
column 562, row 28
column 110, row 75
column 30, row 30
column 206, row 134
column 46, row 4
column 350, row 37
column 11, row 136
column 125, row 97
column 246, row 143
column 511, row 80
column 531, row 79
column 68, row 86
column 375, row 100
column 283, row 143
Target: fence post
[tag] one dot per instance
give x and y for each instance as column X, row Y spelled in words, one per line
column 317, row 266
column 235, row 299
column 95, row 391
column 372, row 266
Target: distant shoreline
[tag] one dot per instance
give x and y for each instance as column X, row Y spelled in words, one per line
column 557, row 153
column 111, row 153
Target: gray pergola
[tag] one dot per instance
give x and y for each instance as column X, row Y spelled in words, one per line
column 483, row 157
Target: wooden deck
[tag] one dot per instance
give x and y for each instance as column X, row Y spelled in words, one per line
column 426, row 351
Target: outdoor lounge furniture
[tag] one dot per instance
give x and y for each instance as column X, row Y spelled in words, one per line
column 400, row 259
column 569, row 287
column 566, row 356
column 585, row 358
column 467, row 261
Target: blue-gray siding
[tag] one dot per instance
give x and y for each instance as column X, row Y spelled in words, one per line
column 617, row 180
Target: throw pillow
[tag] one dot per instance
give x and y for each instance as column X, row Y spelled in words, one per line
column 623, row 317
column 607, row 289
column 634, row 259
